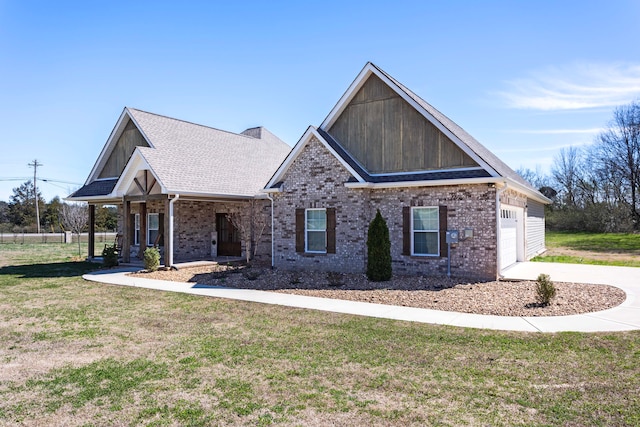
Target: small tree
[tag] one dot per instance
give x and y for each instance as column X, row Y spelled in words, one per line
column 545, row 289
column 378, row 250
column 74, row 217
column 250, row 221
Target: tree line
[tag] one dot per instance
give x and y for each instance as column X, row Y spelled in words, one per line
column 596, row 187
column 19, row 213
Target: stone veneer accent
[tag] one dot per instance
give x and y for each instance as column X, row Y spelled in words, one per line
column 316, row 180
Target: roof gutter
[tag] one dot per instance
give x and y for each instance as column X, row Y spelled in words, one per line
column 445, row 182
column 272, row 235
column 425, row 183
column 171, row 202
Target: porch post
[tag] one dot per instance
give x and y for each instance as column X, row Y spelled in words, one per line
column 126, row 231
column 92, row 231
column 143, row 229
column 168, row 247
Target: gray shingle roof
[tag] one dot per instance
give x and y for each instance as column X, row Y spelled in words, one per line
column 191, row 158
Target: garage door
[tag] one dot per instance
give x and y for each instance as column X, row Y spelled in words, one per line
column 508, row 237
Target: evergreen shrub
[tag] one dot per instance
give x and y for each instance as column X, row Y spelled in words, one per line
column 151, row 259
column 378, row 250
column 545, row 289
column 110, row 256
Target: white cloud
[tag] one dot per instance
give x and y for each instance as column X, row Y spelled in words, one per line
column 575, row 87
column 591, row 131
column 541, row 148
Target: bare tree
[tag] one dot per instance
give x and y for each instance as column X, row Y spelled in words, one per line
column 618, row 152
column 537, row 178
column 74, row 217
column 251, row 221
column 567, row 172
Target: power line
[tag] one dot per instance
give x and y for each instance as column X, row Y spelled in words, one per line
column 39, row 179
column 35, row 165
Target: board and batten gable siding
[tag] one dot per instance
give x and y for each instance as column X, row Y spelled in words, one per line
column 386, row 134
column 535, row 228
column 128, row 141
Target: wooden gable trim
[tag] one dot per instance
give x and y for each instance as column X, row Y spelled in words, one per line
column 112, row 140
column 360, row 80
column 137, row 163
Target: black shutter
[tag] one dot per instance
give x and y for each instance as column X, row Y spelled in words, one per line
column 331, row 230
column 406, row 230
column 443, row 231
column 160, row 238
column 299, row 230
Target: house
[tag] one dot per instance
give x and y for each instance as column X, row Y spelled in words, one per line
column 383, row 147
column 175, row 183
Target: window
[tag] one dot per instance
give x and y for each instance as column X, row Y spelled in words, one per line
column 424, row 231
column 153, row 228
column 316, row 230
column 136, row 228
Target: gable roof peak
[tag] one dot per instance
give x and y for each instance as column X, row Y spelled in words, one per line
column 489, row 161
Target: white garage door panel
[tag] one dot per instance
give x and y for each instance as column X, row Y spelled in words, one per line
column 508, row 237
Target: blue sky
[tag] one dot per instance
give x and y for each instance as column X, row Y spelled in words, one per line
column 524, row 78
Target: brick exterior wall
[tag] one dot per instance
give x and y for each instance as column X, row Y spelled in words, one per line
column 194, row 223
column 316, row 180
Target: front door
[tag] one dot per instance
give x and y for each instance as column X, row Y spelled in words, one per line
column 228, row 237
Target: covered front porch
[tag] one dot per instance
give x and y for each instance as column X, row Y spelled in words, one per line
column 184, row 229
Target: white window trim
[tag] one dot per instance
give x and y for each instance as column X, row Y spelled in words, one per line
column 437, row 231
column 306, row 235
column 149, row 242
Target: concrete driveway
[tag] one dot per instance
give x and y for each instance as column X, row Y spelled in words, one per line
column 622, row 318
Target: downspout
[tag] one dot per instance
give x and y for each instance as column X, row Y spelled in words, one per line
column 272, row 235
column 498, row 193
column 171, row 202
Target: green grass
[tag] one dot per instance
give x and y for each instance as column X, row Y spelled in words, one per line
column 82, row 353
column 617, row 249
column 595, row 242
column 565, row 259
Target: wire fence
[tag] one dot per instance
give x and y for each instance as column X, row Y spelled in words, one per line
column 31, row 238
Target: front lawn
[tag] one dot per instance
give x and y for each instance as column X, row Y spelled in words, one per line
column 620, row 249
column 82, row 353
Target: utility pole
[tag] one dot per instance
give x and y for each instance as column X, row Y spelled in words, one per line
column 35, row 165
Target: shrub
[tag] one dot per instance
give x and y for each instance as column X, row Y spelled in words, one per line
column 378, row 250
column 545, row 289
column 251, row 274
column 151, row 259
column 110, row 256
column 335, row 279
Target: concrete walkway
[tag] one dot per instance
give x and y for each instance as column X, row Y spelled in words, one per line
column 622, row 318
